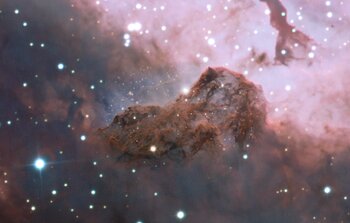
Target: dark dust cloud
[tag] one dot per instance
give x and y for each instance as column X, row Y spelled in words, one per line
column 223, row 111
column 279, row 152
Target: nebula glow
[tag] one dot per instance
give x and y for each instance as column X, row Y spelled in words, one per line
column 68, row 67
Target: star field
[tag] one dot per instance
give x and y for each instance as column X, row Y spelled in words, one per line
column 67, row 67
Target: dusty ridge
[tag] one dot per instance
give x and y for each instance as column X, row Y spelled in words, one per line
column 223, row 110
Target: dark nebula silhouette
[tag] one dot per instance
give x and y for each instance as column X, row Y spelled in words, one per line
column 288, row 35
column 229, row 151
column 223, row 110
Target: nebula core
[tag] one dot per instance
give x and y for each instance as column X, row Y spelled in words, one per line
column 68, row 67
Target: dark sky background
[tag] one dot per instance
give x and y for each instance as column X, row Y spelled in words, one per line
column 68, row 67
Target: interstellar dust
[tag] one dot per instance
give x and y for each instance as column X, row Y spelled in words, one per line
column 223, row 110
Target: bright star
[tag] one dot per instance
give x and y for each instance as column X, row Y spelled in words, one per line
column 60, row 66
column 82, row 137
column 180, row 214
column 39, row 163
column 185, row 90
column 288, row 88
column 327, row 189
column 153, row 149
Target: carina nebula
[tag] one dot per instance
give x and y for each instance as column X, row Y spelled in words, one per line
column 222, row 111
column 142, row 111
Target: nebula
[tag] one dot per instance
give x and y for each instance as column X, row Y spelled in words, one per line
column 71, row 67
column 223, row 110
column 288, row 36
